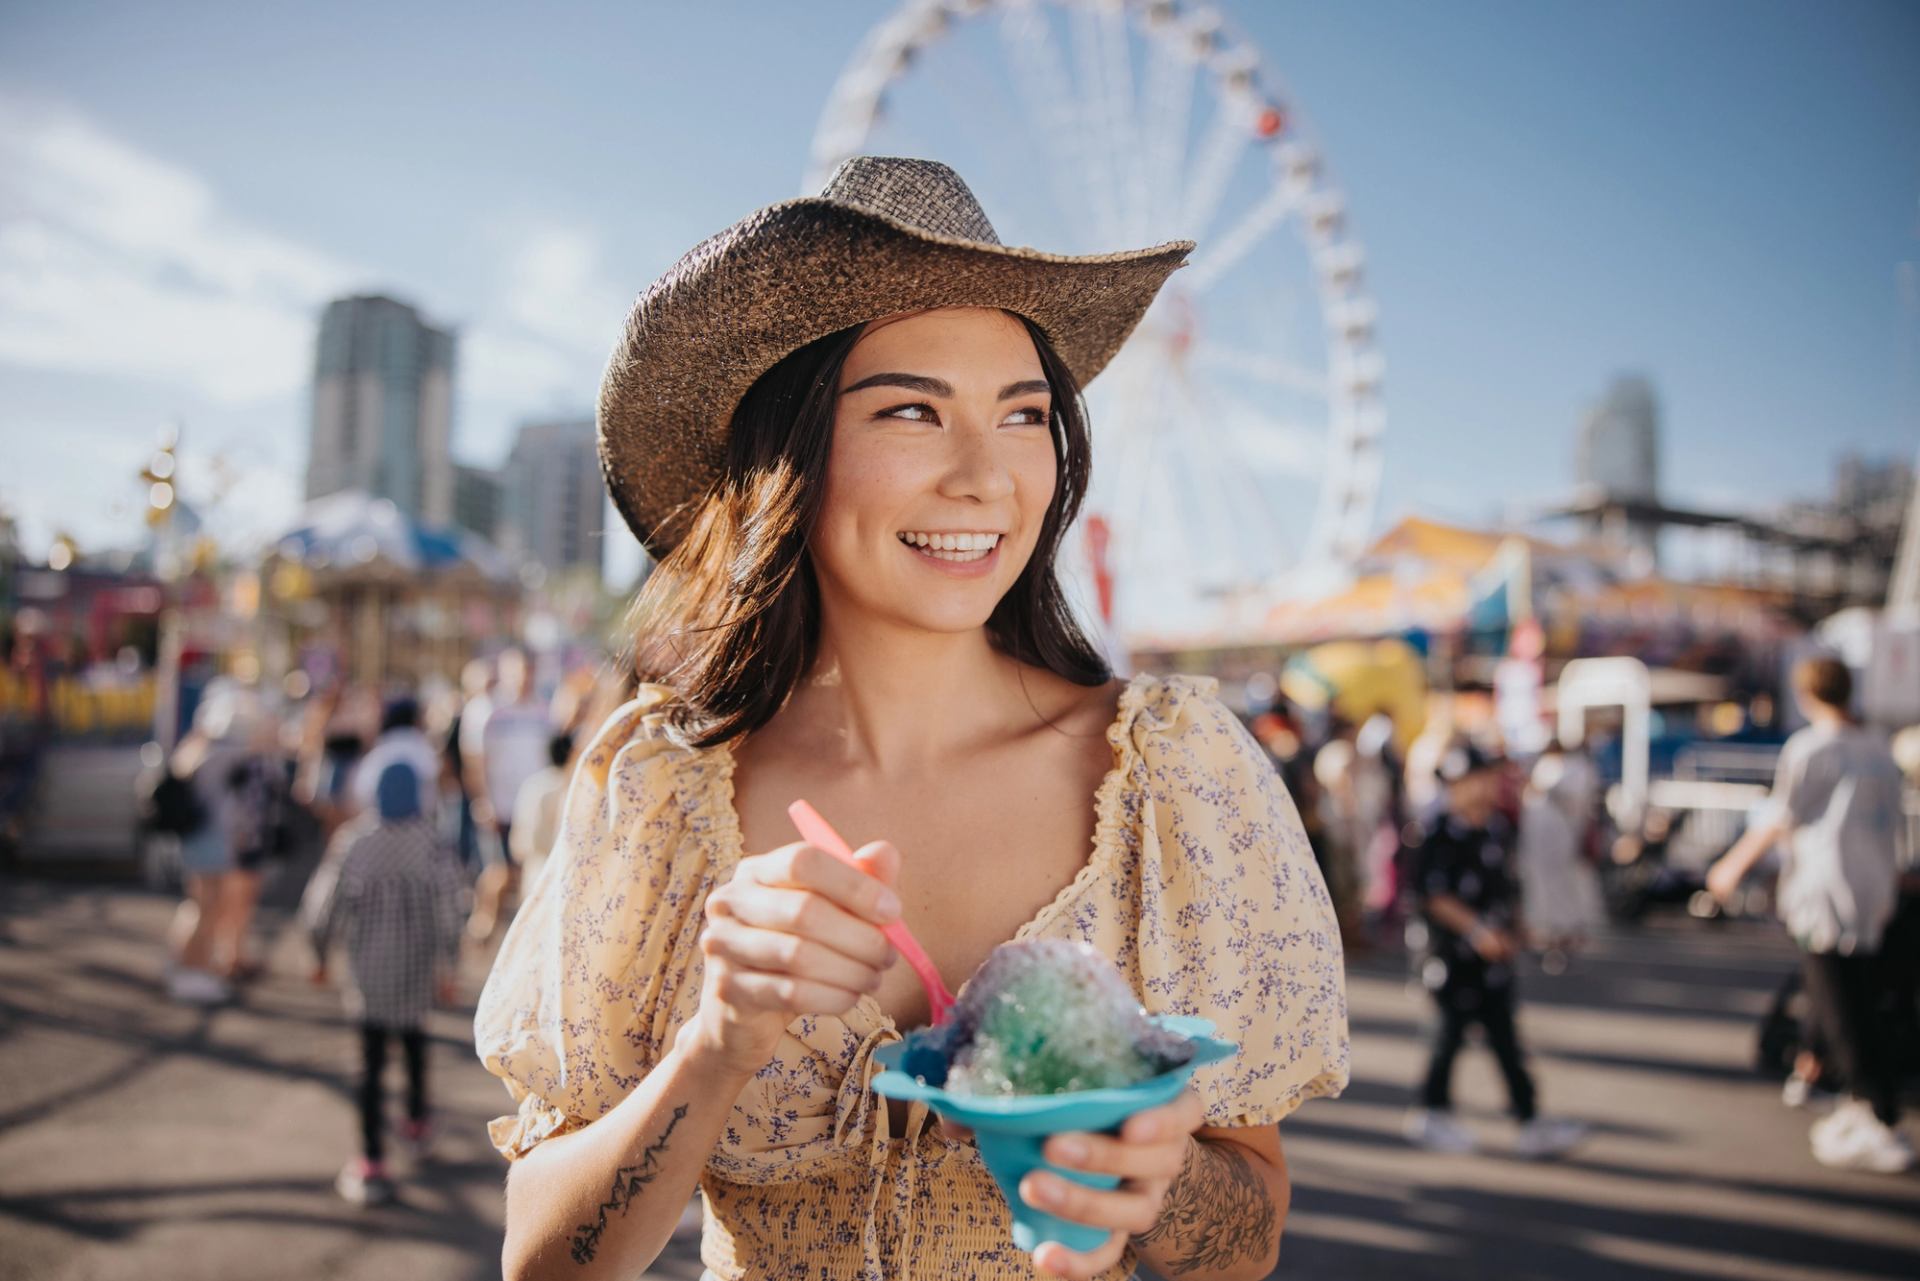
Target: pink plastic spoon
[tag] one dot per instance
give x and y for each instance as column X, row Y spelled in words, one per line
column 818, row 831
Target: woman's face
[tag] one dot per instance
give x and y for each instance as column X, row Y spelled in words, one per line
column 941, row 471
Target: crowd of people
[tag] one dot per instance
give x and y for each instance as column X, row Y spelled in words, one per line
column 1478, row 858
column 435, row 810
column 1473, row 858
column 428, row 812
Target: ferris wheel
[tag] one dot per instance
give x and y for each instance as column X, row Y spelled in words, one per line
column 1237, row 436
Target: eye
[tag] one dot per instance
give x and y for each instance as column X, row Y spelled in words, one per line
column 915, row 413
column 1031, row 416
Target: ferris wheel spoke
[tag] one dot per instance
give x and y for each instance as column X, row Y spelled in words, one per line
column 1129, row 143
column 1104, row 145
column 1274, row 370
column 1169, row 107
column 1253, row 227
column 1227, row 137
column 1066, row 133
column 1236, row 475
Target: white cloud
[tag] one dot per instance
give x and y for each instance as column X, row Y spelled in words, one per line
column 112, row 261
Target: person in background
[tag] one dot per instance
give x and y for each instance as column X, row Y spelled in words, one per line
column 476, row 686
column 499, row 754
column 401, row 740
column 536, row 812
column 1465, row 885
column 259, row 800
column 391, row 896
column 1559, row 891
column 1836, row 807
column 212, row 758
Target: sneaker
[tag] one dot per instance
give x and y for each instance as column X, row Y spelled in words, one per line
column 1437, row 1131
column 1798, row 1092
column 1843, row 1119
column 1868, row 1143
column 198, row 987
column 416, row 1137
column 1547, row 1136
column 364, row 1183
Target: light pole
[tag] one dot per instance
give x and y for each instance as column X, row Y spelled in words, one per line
column 162, row 499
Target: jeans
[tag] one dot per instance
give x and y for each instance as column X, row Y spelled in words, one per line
column 1461, row 1006
column 373, row 1062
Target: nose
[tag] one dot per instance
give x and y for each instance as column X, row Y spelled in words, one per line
column 975, row 469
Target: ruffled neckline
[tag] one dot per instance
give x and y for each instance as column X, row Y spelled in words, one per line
column 1108, row 830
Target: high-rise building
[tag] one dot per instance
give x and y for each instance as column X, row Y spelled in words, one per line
column 1620, row 443
column 552, row 495
column 1618, row 467
column 383, row 407
column 476, row 500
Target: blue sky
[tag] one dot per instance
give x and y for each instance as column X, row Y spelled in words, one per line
column 1722, row 194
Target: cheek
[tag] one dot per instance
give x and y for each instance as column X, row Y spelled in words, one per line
column 865, row 487
column 1039, row 479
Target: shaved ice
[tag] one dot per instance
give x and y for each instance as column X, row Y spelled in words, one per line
column 1044, row 1016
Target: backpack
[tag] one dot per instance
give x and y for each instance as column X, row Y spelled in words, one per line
column 173, row 806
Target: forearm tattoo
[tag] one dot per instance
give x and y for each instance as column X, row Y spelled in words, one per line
column 1218, row 1214
column 626, row 1189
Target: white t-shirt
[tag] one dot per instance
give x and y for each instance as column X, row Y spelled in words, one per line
column 513, row 748
column 397, row 746
column 1840, row 790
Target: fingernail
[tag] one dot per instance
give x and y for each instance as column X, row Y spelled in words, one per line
column 888, row 904
column 1070, row 1150
column 1043, row 1193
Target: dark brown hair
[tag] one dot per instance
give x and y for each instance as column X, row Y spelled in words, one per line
column 1825, row 679
column 731, row 618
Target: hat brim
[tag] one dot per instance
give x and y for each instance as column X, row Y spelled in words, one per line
column 740, row 302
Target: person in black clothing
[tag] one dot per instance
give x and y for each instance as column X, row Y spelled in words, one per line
column 1465, row 887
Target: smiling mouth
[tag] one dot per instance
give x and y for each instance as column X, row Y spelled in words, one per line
column 959, row 548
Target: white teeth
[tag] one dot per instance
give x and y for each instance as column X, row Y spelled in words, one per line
column 954, row 547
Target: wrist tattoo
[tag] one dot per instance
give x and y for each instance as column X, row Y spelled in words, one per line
column 626, row 1189
column 1218, row 1213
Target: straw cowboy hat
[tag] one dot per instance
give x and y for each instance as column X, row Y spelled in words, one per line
column 885, row 236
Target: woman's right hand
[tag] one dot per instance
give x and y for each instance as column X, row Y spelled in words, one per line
column 796, row 931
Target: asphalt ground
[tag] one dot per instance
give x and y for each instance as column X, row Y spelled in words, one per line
column 144, row 1140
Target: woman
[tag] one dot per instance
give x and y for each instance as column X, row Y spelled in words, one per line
column 849, row 430
column 218, row 756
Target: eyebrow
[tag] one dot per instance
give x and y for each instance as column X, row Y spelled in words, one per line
column 940, row 387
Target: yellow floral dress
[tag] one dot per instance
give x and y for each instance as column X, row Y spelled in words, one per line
column 1200, row 887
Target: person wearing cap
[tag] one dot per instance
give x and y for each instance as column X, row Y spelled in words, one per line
column 1468, row 894
column 848, row 429
column 401, row 740
column 391, row 896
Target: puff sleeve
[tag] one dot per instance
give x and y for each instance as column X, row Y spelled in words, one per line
column 1236, row 924
column 590, row 984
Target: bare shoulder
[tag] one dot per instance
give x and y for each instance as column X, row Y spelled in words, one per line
column 1078, row 711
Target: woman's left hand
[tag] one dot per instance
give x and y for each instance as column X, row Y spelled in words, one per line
column 1147, row 1154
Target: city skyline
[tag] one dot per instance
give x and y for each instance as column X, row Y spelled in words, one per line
column 1722, row 199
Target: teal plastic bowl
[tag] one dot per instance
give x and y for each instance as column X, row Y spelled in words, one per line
column 1012, row 1129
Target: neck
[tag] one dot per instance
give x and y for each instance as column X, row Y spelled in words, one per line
column 898, row 702
column 1830, row 717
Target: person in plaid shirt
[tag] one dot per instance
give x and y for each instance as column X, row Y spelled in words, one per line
column 392, row 897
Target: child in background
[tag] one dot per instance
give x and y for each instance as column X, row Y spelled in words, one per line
column 1468, row 893
column 392, row 896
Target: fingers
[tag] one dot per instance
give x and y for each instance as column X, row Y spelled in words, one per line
column 804, row 915
column 753, row 990
column 807, row 867
column 880, row 861
column 1173, row 1120
column 1055, row 1260
column 774, row 952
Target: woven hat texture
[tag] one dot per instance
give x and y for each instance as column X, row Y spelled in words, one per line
column 886, row 235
